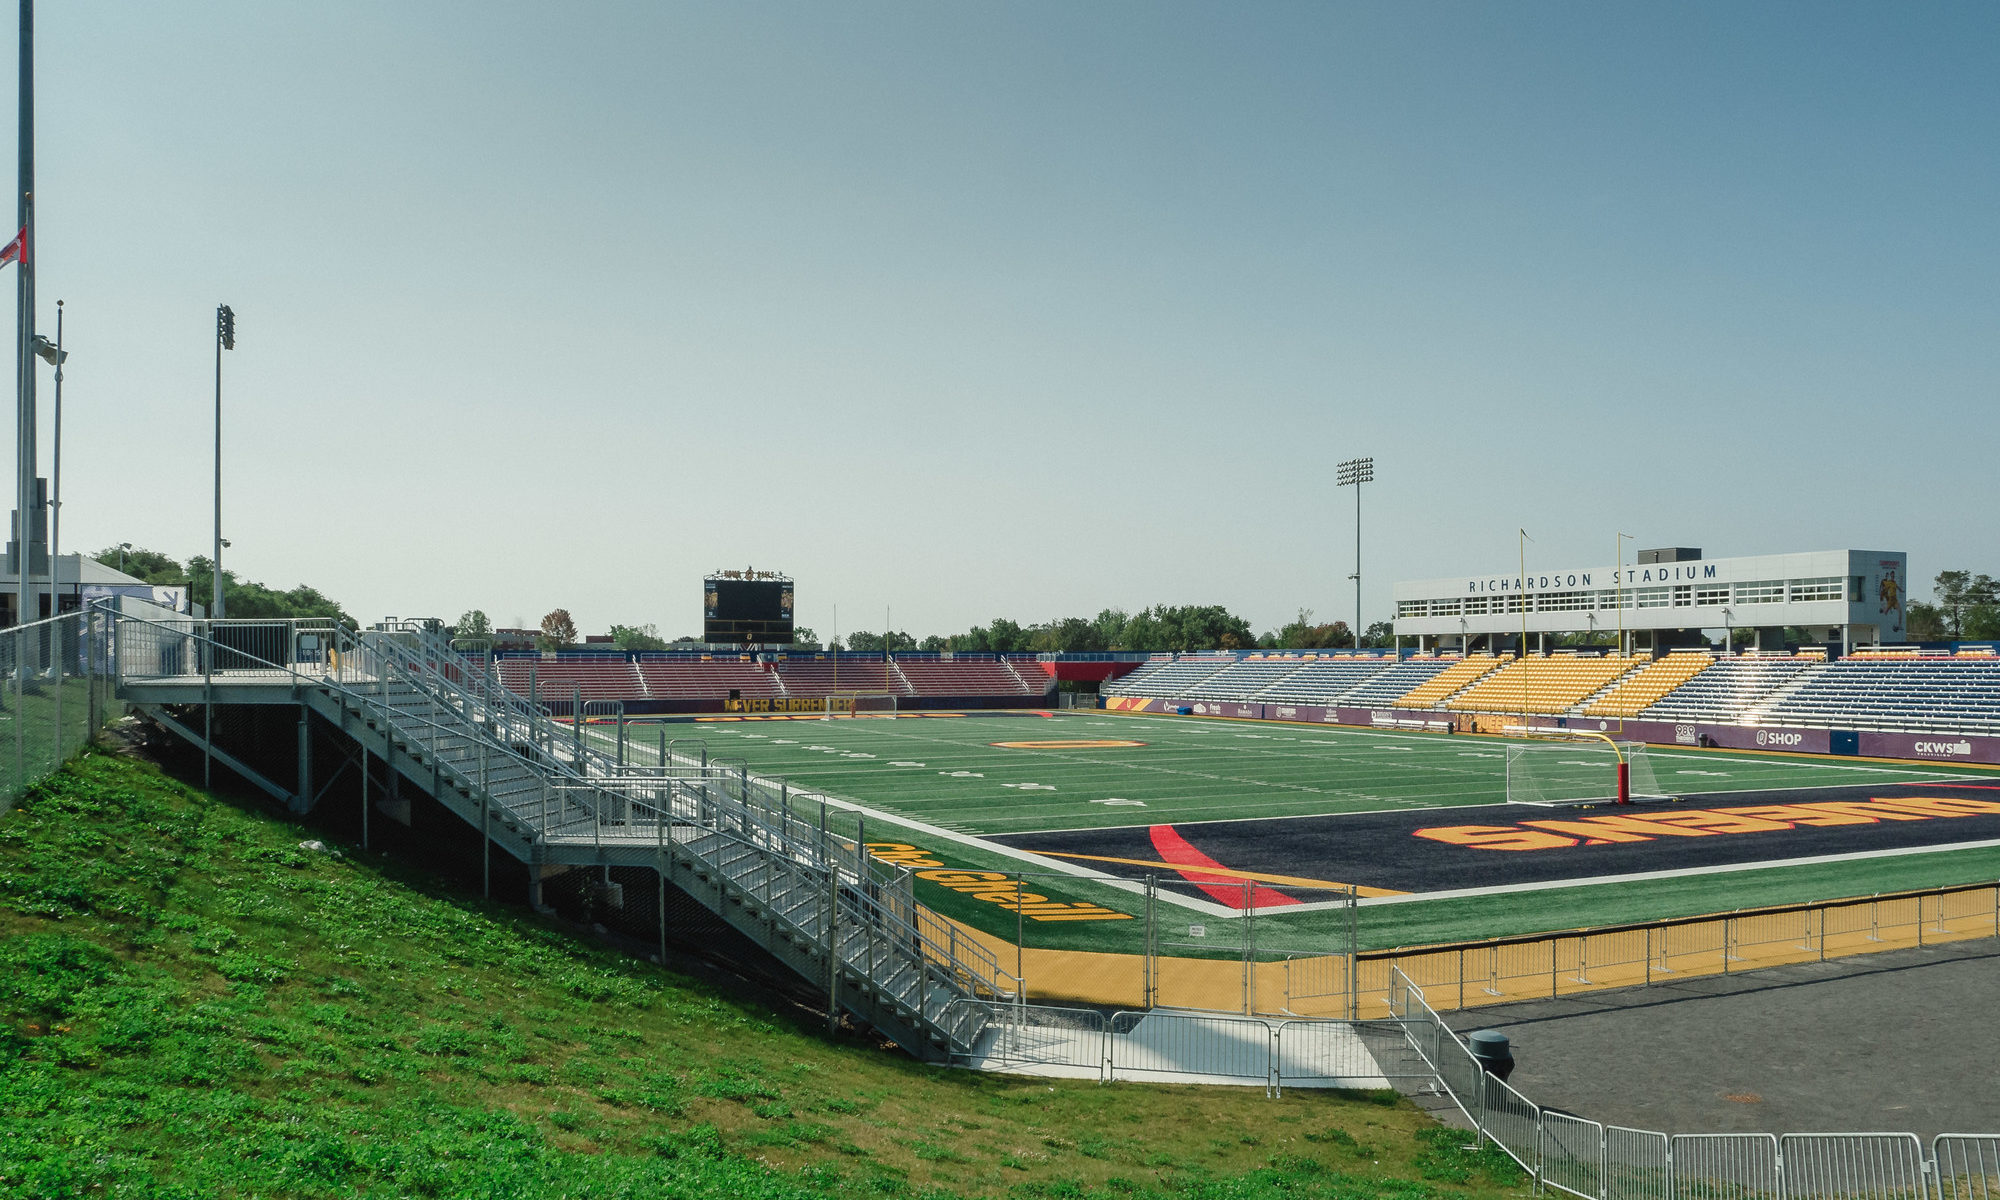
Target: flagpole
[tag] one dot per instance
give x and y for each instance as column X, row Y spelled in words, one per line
column 24, row 350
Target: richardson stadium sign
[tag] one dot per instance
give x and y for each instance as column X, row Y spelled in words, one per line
column 1703, row 822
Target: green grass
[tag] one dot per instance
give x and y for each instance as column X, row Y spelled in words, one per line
column 192, row 1005
column 945, row 773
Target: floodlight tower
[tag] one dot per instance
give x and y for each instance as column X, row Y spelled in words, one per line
column 1355, row 472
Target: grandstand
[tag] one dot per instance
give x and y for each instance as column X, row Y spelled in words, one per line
column 557, row 679
column 1449, row 681
column 665, row 682
column 1324, row 680
column 1726, row 690
column 1651, row 682
column 1542, row 684
column 1961, row 694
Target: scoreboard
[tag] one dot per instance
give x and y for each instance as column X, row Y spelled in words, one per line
column 747, row 608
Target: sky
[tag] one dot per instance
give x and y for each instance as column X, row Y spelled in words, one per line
column 1012, row 309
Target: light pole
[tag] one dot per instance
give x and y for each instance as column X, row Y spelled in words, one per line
column 54, row 356
column 122, row 548
column 225, row 339
column 1355, row 472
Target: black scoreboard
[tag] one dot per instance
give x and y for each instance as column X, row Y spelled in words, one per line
column 746, row 611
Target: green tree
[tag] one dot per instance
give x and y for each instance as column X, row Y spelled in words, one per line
column 1960, row 591
column 253, row 601
column 149, row 565
column 558, row 630
column 804, row 639
column 474, row 624
column 637, row 637
column 1110, row 624
column 864, row 641
column 1005, row 637
column 896, row 643
column 1380, row 635
column 1925, row 622
column 934, row 644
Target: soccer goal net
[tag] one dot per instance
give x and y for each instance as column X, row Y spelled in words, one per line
column 847, row 704
column 1577, row 770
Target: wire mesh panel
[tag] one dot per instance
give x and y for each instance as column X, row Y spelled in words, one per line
column 1572, row 1155
column 55, row 695
column 1968, row 1166
column 1725, row 1166
column 1853, row 1166
column 1635, row 1164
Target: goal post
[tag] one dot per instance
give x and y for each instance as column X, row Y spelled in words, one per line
column 852, row 704
column 1579, row 767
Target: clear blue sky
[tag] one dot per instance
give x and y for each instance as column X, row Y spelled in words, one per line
column 1017, row 309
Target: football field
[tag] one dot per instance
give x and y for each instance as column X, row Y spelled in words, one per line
column 1013, row 774
column 1228, row 816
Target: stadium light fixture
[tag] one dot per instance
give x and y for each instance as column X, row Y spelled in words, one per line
column 1355, row 472
column 225, row 339
column 54, row 355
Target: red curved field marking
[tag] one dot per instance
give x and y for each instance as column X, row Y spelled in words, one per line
column 1174, row 848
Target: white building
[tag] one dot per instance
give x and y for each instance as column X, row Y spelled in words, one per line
column 1844, row 597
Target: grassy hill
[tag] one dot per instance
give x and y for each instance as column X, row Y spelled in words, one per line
column 193, row 1005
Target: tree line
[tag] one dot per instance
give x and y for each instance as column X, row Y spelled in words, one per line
column 1967, row 609
column 241, row 598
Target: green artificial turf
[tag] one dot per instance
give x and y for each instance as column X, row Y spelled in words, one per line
column 945, row 773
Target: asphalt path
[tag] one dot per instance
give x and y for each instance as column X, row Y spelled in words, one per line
column 1901, row 1041
column 1512, row 844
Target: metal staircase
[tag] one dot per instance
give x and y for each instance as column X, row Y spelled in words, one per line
column 773, row 863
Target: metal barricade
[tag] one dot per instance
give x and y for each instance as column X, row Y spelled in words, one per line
column 1154, row 1043
column 1853, row 1166
column 1725, row 1166
column 1512, row 1120
column 1635, row 1164
column 1572, row 1155
column 1967, row 1165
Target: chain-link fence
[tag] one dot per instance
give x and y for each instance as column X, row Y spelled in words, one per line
column 56, row 695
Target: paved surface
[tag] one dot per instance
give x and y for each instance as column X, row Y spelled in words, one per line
column 1904, row 1041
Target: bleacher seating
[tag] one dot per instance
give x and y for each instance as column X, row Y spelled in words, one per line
column 1551, row 683
column 1393, row 683
column 1040, row 679
column 825, row 676
column 1920, row 694
column 556, row 680
column 703, row 677
column 1322, row 680
column 1447, row 681
column 1173, row 678
column 1240, row 679
column 960, row 677
column 1651, row 682
column 1726, row 690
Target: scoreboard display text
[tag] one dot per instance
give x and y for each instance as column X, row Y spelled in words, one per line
column 747, row 612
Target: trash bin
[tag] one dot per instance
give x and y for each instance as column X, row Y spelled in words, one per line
column 1491, row 1050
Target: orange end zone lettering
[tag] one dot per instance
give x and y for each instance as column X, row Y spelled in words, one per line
column 1495, row 837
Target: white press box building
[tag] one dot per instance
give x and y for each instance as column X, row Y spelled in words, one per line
column 1846, row 598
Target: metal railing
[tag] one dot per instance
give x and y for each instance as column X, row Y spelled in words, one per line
column 55, row 696
column 451, row 710
column 1160, row 1044
column 1544, row 965
column 1594, row 1161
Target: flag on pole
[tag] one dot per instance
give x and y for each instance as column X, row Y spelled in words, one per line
column 12, row 251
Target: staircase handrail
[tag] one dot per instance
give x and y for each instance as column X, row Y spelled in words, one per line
column 883, row 893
